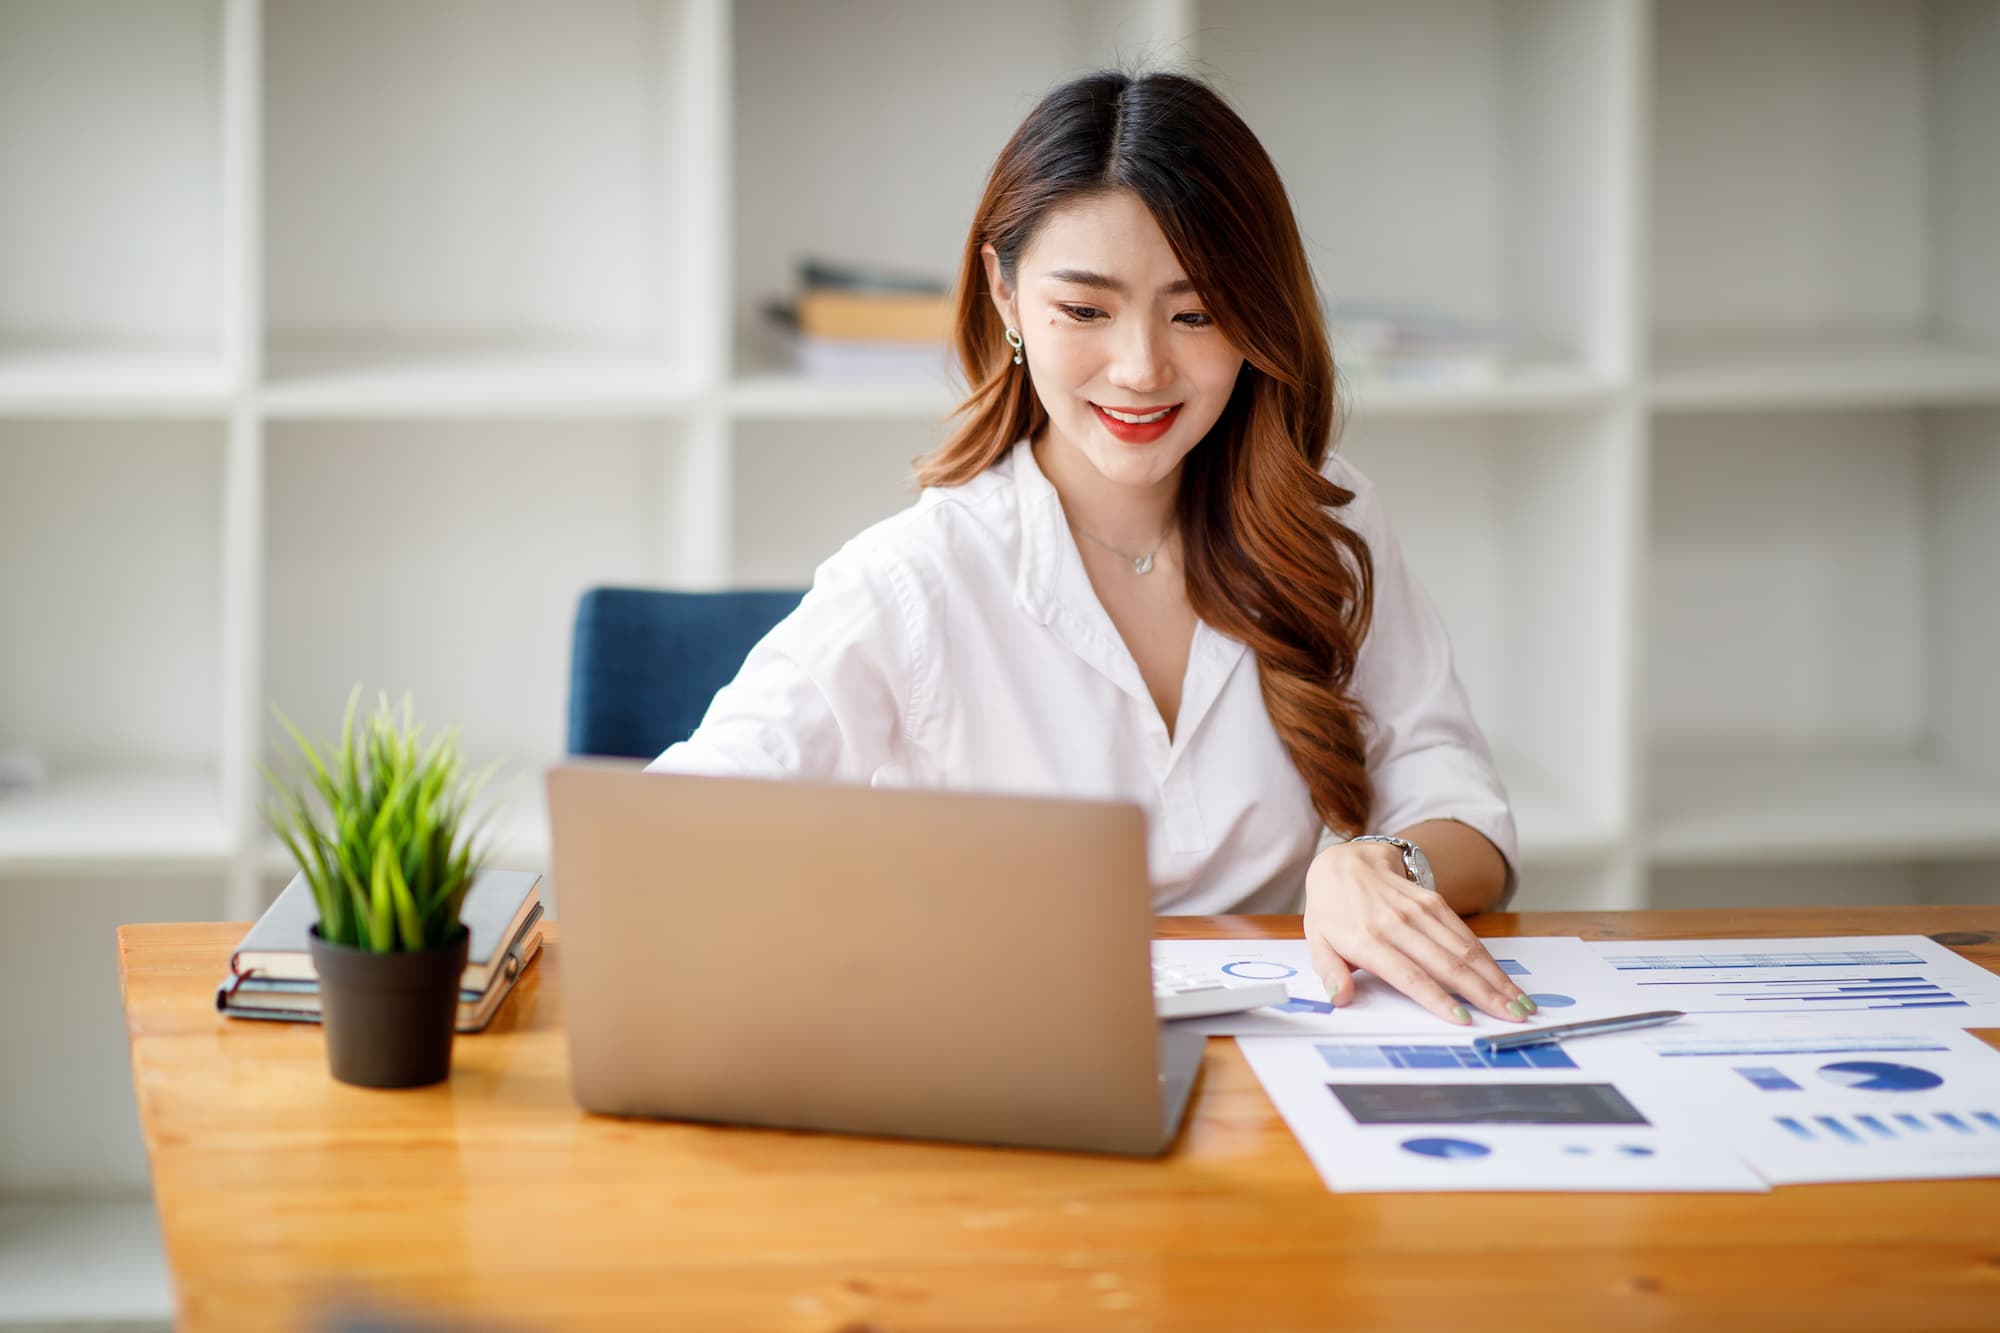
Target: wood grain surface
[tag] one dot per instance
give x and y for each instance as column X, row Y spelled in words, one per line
column 492, row 1202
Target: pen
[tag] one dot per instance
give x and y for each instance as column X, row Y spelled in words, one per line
column 1539, row 1036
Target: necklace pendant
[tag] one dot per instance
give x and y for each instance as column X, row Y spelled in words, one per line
column 1143, row 565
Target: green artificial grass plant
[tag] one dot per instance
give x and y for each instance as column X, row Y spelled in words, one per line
column 387, row 847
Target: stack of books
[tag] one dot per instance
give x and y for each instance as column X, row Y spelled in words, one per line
column 857, row 323
column 271, row 973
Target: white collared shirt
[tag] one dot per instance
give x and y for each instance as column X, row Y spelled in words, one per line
column 959, row 644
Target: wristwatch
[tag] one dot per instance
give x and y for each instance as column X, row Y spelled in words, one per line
column 1415, row 864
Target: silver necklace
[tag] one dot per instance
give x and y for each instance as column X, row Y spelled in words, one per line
column 1141, row 564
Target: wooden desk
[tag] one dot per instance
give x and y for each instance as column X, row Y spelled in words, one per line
column 493, row 1196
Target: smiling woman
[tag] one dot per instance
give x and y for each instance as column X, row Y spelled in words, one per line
column 1136, row 571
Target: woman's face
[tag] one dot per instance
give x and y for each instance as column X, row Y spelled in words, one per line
column 1111, row 324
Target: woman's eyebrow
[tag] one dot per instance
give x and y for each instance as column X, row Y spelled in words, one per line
column 1083, row 277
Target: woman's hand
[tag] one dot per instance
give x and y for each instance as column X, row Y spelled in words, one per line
column 1363, row 911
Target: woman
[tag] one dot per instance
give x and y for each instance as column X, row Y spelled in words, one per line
column 1135, row 572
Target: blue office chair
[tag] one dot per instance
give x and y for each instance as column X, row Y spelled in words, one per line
column 645, row 663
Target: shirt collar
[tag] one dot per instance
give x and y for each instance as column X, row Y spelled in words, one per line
column 1051, row 588
column 1045, row 537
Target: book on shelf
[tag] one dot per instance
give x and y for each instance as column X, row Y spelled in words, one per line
column 495, row 909
column 296, row 1000
column 910, row 317
column 855, row 323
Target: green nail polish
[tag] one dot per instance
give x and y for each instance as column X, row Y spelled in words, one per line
column 1518, row 1008
column 1458, row 1012
column 1529, row 1001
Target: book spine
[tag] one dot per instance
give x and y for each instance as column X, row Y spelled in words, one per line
column 885, row 318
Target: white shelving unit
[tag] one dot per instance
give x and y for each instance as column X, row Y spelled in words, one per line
column 352, row 340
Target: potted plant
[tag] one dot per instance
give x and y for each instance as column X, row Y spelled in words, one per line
column 389, row 852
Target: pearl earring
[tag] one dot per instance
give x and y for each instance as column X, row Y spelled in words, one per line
column 1014, row 341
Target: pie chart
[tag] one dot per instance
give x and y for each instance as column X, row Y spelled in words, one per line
column 1445, row 1148
column 1258, row 969
column 1879, row 1076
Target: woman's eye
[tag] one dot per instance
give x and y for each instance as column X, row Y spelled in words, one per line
column 1082, row 314
column 1196, row 319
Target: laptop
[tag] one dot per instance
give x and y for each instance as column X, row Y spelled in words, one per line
column 919, row 964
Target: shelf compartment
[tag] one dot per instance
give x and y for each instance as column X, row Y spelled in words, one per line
column 74, row 1263
column 446, row 559
column 111, row 595
column 1553, row 830
column 1519, row 528
column 1495, row 190
column 110, row 200
column 1818, row 880
column 1824, row 218
column 86, row 821
column 1718, row 803
column 451, row 173
column 405, row 378
column 1819, row 626
column 1737, row 371
column 889, row 188
column 781, row 531
column 59, row 971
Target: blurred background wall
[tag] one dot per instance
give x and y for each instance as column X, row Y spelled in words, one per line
column 349, row 340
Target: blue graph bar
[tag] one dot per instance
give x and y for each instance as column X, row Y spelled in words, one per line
column 1844, row 1048
column 1511, row 968
column 1837, row 1129
column 1688, row 962
column 1909, row 1121
column 1359, row 1056
column 1770, row 1080
column 1947, row 1118
column 1987, row 1118
column 1870, row 1122
column 1797, row 1130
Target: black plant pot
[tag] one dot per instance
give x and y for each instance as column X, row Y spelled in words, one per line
column 389, row 1017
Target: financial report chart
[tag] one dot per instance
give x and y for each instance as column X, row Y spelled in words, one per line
column 1692, row 962
column 1358, row 1055
column 1815, row 1043
column 1859, row 1129
column 1863, row 979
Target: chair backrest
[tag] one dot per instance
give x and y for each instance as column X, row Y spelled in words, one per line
column 645, row 663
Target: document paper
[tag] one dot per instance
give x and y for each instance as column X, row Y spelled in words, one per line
column 1417, row 1113
column 1567, row 981
column 1849, row 976
column 1806, row 1099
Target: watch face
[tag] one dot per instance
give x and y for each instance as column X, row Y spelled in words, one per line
column 1420, row 865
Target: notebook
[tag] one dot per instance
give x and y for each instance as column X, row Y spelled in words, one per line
column 495, row 909
column 297, row 1001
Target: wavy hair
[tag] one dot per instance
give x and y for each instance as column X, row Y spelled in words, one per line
column 1269, row 561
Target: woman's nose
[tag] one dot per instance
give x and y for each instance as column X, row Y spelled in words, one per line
column 1141, row 364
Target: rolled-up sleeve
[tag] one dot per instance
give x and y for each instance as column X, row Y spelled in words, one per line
column 1427, row 757
column 830, row 693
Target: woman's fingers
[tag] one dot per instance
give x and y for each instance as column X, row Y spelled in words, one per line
column 1455, row 963
column 1411, row 977
column 1333, row 971
column 1460, row 960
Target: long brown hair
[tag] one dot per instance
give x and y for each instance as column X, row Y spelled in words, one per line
column 1268, row 560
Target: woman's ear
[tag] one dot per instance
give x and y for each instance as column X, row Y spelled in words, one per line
column 996, row 284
